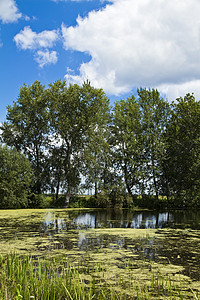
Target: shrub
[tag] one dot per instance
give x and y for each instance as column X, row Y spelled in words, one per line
column 15, row 178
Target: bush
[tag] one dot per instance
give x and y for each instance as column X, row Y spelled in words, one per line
column 40, row 201
column 114, row 198
column 15, row 178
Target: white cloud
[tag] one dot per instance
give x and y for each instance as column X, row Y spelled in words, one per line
column 8, row 11
column 28, row 39
column 39, row 43
column 46, row 57
column 26, row 18
column 139, row 43
column 174, row 91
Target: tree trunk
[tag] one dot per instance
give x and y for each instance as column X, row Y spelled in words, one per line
column 154, row 178
column 95, row 189
column 126, row 181
column 57, row 188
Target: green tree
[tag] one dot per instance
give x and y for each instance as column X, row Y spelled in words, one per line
column 127, row 146
column 26, row 128
column 15, row 178
column 75, row 112
column 182, row 164
column 138, row 127
column 97, row 162
column 154, row 113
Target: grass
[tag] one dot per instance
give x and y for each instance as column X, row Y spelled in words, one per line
column 25, row 277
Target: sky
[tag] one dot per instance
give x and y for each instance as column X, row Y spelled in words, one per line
column 118, row 45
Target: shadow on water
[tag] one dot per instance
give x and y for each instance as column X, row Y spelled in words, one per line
column 176, row 237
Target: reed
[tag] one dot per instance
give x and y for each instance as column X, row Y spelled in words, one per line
column 25, row 277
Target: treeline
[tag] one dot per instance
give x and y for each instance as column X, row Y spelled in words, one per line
column 69, row 140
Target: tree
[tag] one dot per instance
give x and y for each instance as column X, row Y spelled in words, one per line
column 27, row 130
column 182, row 164
column 15, row 178
column 127, row 144
column 138, row 127
column 97, row 159
column 75, row 112
column 154, row 113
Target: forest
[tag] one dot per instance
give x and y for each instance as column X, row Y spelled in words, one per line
column 67, row 145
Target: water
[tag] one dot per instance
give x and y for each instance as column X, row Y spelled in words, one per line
column 123, row 219
column 159, row 237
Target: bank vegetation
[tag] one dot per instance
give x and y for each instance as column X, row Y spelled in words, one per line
column 60, row 142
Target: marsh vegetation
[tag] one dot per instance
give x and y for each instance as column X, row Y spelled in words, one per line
column 98, row 254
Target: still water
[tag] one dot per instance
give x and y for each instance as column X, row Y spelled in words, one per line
column 160, row 237
column 123, row 219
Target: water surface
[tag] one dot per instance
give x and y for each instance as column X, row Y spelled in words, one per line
column 167, row 238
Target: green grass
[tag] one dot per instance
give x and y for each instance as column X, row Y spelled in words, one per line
column 26, row 277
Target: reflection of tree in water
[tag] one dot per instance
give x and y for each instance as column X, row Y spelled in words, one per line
column 56, row 227
column 187, row 219
column 61, row 227
column 142, row 248
column 109, row 219
column 53, row 223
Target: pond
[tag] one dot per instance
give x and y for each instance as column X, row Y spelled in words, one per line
column 167, row 242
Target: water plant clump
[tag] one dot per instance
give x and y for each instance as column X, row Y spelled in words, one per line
column 26, row 277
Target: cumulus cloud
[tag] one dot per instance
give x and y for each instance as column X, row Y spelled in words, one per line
column 39, row 43
column 154, row 43
column 174, row 91
column 46, row 57
column 8, row 11
column 28, row 39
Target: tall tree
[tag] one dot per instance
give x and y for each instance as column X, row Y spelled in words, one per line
column 26, row 128
column 138, row 126
column 127, row 142
column 154, row 112
column 182, row 164
column 97, row 159
column 75, row 112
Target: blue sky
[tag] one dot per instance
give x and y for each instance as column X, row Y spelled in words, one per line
column 118, row 45
column 18, row 66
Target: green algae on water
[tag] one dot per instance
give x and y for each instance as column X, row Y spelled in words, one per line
column 149, row 259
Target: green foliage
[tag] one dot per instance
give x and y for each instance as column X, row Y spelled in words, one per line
column 127, row 146
column 144, row 147
column 151, row 202
column 75, row 112
column 155, row 112
column 15, row 178
column 97, row 159
column 102, row 200
column 182, row 163
column 138, row 126
column 115, row 197
column 40, row 201
column 77, row 201
column 26, row 129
